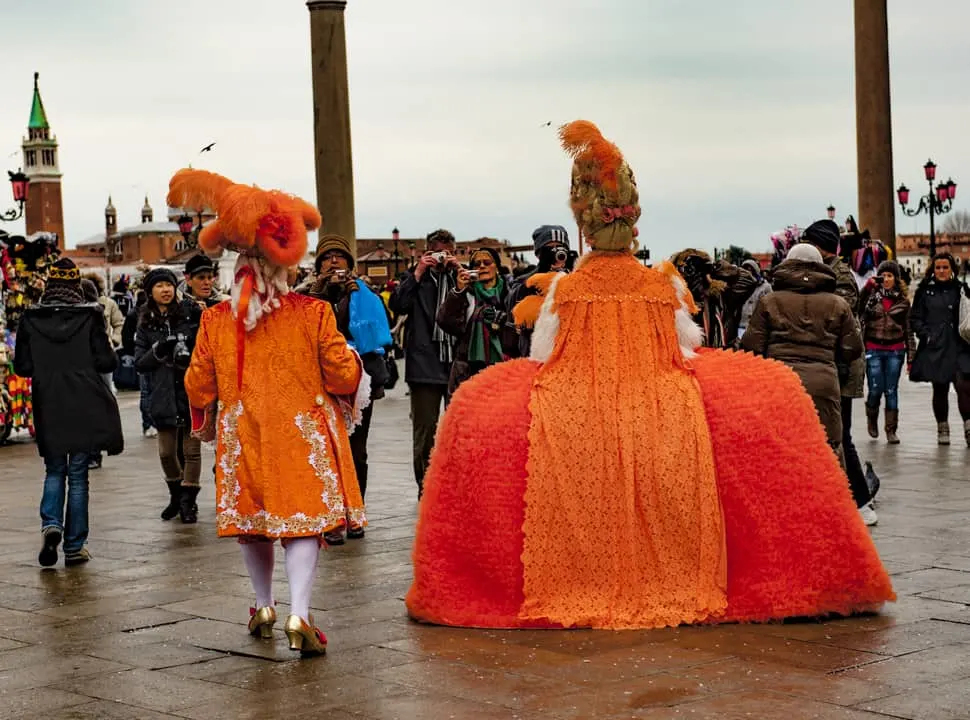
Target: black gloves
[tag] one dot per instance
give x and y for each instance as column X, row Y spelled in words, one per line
column 163, row 348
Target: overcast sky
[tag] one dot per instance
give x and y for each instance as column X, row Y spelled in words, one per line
column 738, row 118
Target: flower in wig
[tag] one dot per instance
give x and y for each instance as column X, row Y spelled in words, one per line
column 604, row 196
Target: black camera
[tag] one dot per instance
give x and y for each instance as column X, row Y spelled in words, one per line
column 181, row 355
column 561, row 255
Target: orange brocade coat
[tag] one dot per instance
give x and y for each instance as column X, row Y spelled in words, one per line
column 283, row 460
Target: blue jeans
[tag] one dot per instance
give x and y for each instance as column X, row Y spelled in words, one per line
column 145, row 388
column 883, row 368
column 70, row 474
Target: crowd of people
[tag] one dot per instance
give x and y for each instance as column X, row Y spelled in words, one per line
column 199, row 360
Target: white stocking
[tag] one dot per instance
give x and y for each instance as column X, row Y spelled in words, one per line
column 301, row 570
column 259, row 558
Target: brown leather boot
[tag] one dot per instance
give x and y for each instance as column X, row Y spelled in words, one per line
column 872, row 421
column 892, row 423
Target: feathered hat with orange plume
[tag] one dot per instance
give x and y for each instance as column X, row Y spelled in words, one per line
column 604, row 196
column 268, row 229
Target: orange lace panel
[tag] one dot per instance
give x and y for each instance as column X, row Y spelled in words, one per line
column 623, row 525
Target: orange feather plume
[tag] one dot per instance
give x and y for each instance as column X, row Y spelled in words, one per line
column 585, row 144
column 196, row 189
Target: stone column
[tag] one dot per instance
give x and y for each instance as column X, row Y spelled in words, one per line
column 331, row 119
column 874, row 138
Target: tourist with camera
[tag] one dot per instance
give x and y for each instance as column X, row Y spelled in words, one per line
column 164, row 339
column 475, row 313
column 551, row 247
column 362, row 319
column 429, row 350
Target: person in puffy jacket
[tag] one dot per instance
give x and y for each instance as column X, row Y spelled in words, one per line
column 167, row 327
column 805, row 325
column 884, row 304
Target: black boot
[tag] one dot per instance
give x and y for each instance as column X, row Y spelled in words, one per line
column 188, row 510
column 174, row 497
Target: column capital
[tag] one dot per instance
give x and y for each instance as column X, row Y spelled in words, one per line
column 326, row 5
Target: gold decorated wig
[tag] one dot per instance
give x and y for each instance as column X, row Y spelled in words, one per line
column 604, row 196
column 251, row 220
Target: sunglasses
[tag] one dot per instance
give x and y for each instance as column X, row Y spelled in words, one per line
column 482, row 263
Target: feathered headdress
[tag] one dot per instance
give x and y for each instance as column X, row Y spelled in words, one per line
column 603, row 195
column 267, row 227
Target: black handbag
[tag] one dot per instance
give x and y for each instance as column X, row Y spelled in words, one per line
column 392, row 372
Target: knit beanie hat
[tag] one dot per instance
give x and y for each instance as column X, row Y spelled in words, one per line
column 63, row 284
column 823, row 234
column 806, row 252
column 156, row 276
column 546, row 234
column 888, row 266
column 496, row 258
column 329, row 242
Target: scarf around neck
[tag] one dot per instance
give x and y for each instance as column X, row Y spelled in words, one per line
column 485, row 342
column 443, row 340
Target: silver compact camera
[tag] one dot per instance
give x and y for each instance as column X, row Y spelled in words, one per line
column 473, row 276
column 341, row 274
column 440, row 257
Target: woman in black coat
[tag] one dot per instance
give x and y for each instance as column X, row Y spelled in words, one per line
column 63, row 347
column 167, row 326
column 942, row 356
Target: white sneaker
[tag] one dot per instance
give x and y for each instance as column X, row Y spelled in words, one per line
column 869, row 516
column 151, row 433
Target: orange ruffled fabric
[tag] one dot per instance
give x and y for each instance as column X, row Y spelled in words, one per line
column 640, row 542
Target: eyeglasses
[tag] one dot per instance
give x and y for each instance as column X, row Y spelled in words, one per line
column 482, row 263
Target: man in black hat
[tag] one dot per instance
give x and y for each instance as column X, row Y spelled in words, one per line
column 550, row 244
column 200, row 278
column 62, row 344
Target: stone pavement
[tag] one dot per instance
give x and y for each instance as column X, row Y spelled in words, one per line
column 154, row 626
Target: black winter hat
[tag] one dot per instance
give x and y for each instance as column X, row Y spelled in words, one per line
column 546, row 234
column 63, row 284
column 823, row 234
column 157, row 275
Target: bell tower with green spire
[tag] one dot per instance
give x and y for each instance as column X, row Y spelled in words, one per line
column 44, row 210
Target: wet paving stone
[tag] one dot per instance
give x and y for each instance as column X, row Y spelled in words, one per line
column 155, row 626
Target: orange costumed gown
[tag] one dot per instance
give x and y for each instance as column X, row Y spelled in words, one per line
column 625, row 482
column 283, row 460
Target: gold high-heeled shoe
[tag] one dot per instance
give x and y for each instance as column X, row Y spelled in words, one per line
column 303, row 636
column 261, row 622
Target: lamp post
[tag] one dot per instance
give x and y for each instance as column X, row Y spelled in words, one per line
column 396, row 236
column 831, row 212
column 643, row 255
column 938, row 201
column 19, row 184
column 189, row 234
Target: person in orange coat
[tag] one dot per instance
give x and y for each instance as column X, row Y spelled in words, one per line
column 276, row 384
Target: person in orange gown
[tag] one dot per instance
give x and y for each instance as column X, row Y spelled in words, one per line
column 624, row 479
column 274, row 382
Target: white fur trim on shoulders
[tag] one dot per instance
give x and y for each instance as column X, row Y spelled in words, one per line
column 547, row 325
column 689, row 335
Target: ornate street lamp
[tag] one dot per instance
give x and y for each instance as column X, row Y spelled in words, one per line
column 19, row 183
column 831, row 212
column 938, row 201
column 396, row 237
column 643, row 255
column 189, row 234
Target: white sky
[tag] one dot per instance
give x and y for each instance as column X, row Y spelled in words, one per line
column 738, row 118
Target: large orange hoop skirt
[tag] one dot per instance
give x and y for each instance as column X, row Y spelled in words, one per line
column 814, row 559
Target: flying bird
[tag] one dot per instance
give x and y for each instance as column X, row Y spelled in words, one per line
column 207, row 148
column 546, row 124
